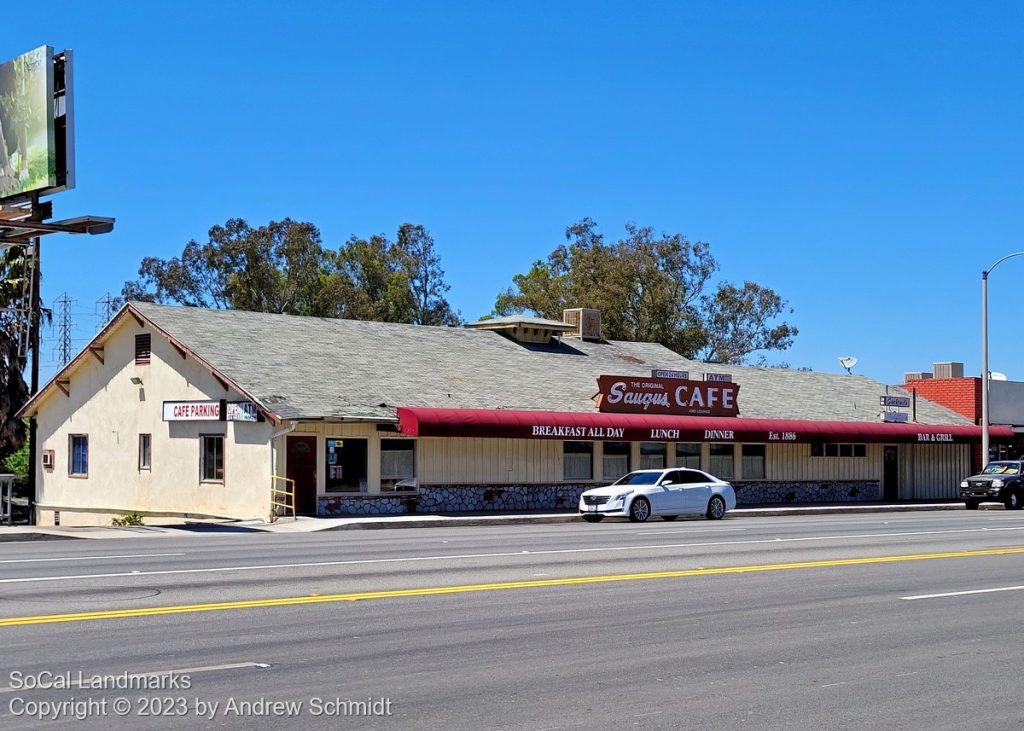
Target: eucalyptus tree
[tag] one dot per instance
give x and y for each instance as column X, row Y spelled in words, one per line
column 652, row 287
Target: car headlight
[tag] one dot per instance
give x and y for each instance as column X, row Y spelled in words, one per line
column 964, row 484
column 623, row 496
column 997, row 483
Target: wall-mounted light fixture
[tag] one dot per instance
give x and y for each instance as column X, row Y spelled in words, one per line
column 136, row 380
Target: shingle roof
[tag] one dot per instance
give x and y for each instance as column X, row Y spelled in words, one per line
column 307, row 367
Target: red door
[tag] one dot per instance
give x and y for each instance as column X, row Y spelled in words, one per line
column 302, row 469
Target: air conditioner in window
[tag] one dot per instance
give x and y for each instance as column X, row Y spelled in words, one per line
column 47, row 459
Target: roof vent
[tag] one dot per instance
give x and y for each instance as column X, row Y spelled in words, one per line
column 949, row 370
column 586, row 323
column 916, row 376
column 522, row 328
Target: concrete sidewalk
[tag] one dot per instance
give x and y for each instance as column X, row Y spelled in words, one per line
column 310, row 525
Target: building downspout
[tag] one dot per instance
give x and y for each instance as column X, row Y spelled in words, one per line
column 273, row 439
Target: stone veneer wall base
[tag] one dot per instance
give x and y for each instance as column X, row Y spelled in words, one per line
column 814, row 491
column 565, row 496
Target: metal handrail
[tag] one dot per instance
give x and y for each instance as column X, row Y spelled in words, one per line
column 282, row 499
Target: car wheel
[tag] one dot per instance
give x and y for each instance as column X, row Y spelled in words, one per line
column 640, row 510
column 669, row 518
column 593, row 518
column 1013, row 501
column 716, row 508
column 971, row 504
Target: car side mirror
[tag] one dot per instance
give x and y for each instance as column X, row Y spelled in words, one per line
column 666, row 483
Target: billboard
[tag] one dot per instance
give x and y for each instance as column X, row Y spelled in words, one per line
column 36, row 149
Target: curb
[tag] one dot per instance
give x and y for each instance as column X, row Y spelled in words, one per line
column 448, row 522
column 383, row 522
column 34, row 536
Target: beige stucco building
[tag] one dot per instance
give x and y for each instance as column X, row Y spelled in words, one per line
column 173, row 412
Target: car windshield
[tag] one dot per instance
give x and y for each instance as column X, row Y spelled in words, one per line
column 1002, row 468
column 639, row 478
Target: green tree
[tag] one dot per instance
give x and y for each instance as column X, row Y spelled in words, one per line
column 651, row 288
column 740, row 320
column 279, row 267
column 426, row 277
column 14, row 392
column 16, row 462
column 374, row 281
column 284, row 267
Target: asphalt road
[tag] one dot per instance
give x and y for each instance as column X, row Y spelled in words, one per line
column 842, row 621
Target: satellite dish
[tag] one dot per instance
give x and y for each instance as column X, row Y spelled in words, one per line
column 847, row 362
column 997, row 376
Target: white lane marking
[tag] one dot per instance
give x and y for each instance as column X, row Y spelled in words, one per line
column 962, row 593
column 686, row 530
column 87, row 558
column 86, row 678
column 465, row 556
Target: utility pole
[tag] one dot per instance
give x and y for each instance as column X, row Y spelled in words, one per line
column 64, row 325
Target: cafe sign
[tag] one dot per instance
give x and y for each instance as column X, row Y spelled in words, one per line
column 643, row 395
column 210, row 411
column 192, row 411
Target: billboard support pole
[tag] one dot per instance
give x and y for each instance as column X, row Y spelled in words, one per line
column 35, row 322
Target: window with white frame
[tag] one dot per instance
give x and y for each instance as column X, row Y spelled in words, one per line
column 211, row 457
column 616, row 460
column 688, row 455
column 397, row 464
column 78, row 455
column 721, row 461
column 838, row 450
column 652, row 455
column 753, row 461
column 577, row 460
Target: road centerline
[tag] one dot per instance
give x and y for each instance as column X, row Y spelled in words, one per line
column 471, row 588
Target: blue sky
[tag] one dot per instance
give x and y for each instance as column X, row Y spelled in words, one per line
column 863, row 159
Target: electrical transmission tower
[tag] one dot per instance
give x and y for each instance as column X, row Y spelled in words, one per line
column 107, row 305
column 64, row 325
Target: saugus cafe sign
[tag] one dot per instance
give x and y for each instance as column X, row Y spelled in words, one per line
column 651, row 395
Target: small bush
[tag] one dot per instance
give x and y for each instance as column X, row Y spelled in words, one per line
column 129, row 519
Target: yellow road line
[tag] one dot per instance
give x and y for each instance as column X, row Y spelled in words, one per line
column 466, row 588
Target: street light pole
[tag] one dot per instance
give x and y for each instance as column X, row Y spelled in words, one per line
column 984, row 368
column 984, row 356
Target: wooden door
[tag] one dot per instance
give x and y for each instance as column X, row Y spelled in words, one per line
column 302, row 469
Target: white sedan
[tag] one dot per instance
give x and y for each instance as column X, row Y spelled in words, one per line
column 667, row 493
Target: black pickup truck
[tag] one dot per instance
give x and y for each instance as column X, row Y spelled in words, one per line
column 998, row 482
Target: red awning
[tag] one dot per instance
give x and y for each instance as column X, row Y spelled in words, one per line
column 497, row 423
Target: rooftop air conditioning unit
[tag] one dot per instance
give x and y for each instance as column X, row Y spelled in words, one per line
column 586, row 323
column 949, row 370
column 916, row 376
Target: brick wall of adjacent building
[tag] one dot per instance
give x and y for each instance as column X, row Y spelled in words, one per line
column 962, row 395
